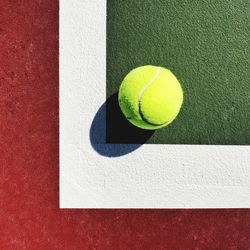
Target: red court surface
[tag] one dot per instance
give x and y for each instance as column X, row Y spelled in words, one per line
column 30, row 217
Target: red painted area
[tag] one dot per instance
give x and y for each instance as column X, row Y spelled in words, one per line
column 29, row 213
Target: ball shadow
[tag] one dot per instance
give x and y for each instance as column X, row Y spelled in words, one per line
column 111, row 135
column 119, row 129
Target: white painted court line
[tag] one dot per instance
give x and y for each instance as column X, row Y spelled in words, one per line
column 153, row 176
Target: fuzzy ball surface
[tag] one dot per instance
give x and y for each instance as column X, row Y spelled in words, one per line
column 150, row 97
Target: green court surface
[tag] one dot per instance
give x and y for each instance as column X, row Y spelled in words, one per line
column 206, row 44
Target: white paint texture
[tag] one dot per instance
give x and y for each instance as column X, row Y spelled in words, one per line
column 153, row 176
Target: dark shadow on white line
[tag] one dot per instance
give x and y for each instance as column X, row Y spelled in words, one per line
column 104, row 125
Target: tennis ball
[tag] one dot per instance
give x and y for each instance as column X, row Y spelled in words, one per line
column 150, row 97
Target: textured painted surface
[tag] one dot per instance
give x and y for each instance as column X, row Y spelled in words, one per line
column 29, row 214
column 206, row 45
column 95, row 174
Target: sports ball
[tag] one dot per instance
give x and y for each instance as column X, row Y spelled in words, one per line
column 150, row 97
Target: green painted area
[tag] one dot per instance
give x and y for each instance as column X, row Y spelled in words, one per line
column 206, row 44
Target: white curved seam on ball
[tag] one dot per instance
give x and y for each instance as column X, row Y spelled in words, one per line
column 147, row 85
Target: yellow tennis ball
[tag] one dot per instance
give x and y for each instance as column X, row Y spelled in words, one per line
column 150, row 97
